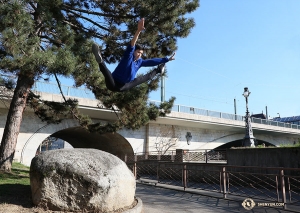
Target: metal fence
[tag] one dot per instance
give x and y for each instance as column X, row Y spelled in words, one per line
column 274, row 123
column 261, row 184
column 195, row 156
column 85, row 93
column 53, row 88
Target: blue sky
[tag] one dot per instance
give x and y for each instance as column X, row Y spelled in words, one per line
column 237, row 44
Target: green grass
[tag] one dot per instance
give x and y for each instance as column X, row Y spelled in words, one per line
column 18, row 175
column 15, row 182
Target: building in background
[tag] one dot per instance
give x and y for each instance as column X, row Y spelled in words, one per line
column 292, row 120
column 52, row 143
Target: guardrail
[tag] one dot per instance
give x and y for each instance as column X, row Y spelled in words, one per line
column 272, row 185
column 48, row 87
column 274, row 123
column 85, row 93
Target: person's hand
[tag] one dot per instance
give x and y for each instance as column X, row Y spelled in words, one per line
column 172, row 57
column 141, row 25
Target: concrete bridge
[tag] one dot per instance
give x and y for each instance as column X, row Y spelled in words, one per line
column 208, row 129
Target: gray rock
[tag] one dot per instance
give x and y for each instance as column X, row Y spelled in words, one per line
column 81, row 180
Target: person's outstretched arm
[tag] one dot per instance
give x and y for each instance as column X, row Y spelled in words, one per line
column 156, row 61
column 140, row 28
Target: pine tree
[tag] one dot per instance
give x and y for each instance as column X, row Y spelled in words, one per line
column 42, row 37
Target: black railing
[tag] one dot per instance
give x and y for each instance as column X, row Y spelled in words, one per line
column 179, row 155
column 273, row 185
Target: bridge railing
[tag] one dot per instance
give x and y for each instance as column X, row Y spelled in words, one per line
column 85, row 93
column 52, row 88
column 274, row 123
column 205, row 112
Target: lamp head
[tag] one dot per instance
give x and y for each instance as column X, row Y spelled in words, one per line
column 246, row 92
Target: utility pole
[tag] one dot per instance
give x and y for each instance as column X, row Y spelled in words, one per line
column 162, row 89
column 235, row 108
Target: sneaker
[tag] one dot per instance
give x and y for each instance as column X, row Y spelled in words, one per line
column 161, row 68
column 97, row 53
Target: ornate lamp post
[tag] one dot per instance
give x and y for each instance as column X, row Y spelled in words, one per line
column 249, row 140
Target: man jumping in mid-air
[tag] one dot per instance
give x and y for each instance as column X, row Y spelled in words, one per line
column 123, row 77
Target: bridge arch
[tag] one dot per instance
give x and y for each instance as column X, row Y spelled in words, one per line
column 235, row 140
column 78, row 137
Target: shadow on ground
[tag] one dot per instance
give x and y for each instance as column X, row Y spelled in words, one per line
column 16, row 194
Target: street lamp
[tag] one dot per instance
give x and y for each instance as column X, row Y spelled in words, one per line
column 249, row 140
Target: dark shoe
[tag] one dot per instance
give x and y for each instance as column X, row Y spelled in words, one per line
column 161, row 68
column 97, row 53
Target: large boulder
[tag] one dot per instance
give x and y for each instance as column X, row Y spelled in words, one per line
column 81, row 180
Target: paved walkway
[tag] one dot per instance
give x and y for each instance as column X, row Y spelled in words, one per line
column 164, row 200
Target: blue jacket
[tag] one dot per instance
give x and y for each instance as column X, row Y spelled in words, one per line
column 127, row 68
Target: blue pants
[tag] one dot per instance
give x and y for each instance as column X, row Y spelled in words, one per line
column 115, row 86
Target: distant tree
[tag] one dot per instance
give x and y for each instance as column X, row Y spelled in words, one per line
column 46, row 144
column 166, row 138
column 41, row 38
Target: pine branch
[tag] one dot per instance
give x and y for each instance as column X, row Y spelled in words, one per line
column 117, row 114
column 65, row 100
column 89, row 20
column 90, row 12
column 61, row 92
column 57, row 43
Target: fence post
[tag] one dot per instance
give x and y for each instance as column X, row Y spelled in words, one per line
column 283, row 188
column 172, row 157
column 157, row 171
column 134, row 170
column 135, row 158
column 184, row 177
column 206, row 156
column 277, row 186
column 224, row 181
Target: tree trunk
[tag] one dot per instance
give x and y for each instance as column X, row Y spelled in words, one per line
column 13, row 122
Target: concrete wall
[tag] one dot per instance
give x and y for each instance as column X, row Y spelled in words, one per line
column 264, row 157
column 201, row 138
column 205, row 138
